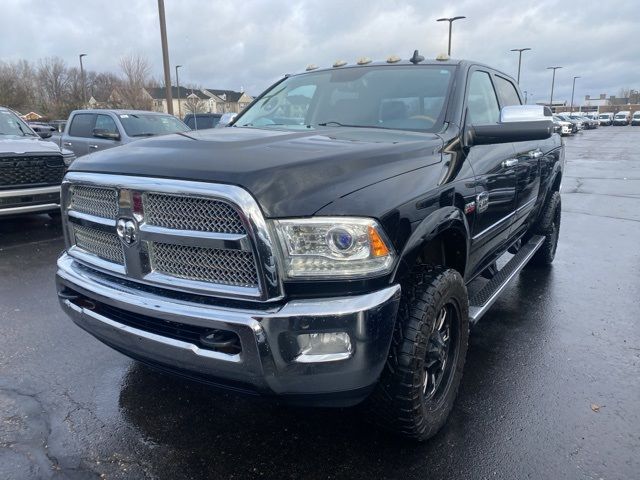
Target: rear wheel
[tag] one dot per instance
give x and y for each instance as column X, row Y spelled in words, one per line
column 420, row 380
column 549, row 226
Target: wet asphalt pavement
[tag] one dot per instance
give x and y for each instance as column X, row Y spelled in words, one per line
column 551, row 386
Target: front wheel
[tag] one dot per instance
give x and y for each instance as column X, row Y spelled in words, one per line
column 420, row 381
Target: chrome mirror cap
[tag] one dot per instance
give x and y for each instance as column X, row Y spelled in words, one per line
column 525, row 113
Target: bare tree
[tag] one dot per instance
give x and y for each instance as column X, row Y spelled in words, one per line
column 136, row 76
column 17, row 85
column 53, row 81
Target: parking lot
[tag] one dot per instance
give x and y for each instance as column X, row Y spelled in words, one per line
column 551, row 386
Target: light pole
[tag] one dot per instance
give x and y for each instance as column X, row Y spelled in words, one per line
column 178, row 88
column 553, row 81
column 450, row 20
column 84, row 90
column 573, row 89
column 519, row 50
column 165, row 57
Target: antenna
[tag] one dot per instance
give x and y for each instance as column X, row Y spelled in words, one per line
column 416, row 58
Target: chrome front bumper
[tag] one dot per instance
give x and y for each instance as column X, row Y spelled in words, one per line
column 264, row 364
column 29, row 200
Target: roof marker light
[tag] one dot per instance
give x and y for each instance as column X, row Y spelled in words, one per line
column 393, row 59
column 311, row 66
column 339, row 63
column 443, row 57
column 364, row 60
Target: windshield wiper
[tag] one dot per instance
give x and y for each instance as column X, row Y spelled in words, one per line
column 338, row 124
column 145, row 134
column 24, row 134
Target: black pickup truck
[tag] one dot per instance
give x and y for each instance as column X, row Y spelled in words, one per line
column 322, row 248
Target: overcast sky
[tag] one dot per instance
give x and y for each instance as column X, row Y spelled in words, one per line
column 251, row 43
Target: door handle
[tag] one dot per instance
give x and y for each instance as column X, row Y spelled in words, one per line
column 535, row 153
column 510, row 163
column 67, row 144
column 93, row 146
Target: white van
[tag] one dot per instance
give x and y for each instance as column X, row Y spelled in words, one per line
column 635, row 120
column 622, row 118
column 605, row 118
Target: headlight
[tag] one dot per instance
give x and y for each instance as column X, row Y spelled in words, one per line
column 333, row 247
column 68, row 158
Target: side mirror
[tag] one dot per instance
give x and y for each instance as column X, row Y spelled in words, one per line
column 44, row 133
column 102, row 133
column 518, row 123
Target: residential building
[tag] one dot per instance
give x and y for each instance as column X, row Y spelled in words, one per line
column 207, row 100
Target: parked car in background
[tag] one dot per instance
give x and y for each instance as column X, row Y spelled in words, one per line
column 588, row 123
column 566, row 128
column 635, row 120
column 202, row 121
column 58, row 125
column 89, row 131
column 606, row 119
column 622, row 118
column 576, row 125
column 42, row 129
column 226, row 119
column 31, row 169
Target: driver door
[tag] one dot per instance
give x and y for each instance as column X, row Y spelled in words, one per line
column 495, row 172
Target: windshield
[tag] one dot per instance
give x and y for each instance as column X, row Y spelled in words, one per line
column 621, row 115
column 142, row 125
column 11, row 124
column 604, row 116
column 202, row 122
column 394, row 97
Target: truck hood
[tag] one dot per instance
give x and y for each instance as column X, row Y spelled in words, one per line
column 290, row 173
column 14, row 144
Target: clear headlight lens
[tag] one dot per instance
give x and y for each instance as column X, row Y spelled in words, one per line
column 333, row 247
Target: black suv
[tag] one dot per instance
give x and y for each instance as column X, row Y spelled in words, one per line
column 31, row 169
column 323, row 247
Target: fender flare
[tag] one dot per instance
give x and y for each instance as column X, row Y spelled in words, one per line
column 445, row 218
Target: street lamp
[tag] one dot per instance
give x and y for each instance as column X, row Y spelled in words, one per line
column 178, row 88
column 553, row 81
column 450, row 20
column 165, row 57
column 573, row 89
column 519, row 50
column 84, row 90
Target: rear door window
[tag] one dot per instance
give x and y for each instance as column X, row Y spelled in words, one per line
column 82, row 125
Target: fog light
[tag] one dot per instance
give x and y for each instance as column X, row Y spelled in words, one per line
column 323, row 347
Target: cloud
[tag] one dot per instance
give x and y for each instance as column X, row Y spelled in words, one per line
column 250, row 44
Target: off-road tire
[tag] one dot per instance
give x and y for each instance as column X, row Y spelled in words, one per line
column 549, row 226
column 398, row 403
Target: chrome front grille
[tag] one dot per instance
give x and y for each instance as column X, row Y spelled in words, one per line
column 226, row 267
column 191, row 213
column 192, row 236
column 96, row 201
column 102, row 244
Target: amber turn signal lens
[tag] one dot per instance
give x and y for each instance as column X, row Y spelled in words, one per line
column 378, row 247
